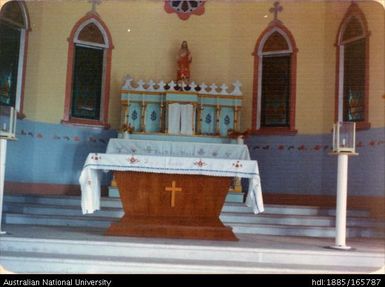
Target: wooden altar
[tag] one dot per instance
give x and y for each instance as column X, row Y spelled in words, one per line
column 172, row 206
column 170, row 196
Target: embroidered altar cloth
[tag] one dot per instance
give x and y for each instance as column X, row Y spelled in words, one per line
column 95, row 163
column 178, row 149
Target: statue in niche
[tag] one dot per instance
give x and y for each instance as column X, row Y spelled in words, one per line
column 184, row 59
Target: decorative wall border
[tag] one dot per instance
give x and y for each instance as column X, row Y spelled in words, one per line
column 372, row 143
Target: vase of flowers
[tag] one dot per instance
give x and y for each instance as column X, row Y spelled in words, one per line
column 126, row 130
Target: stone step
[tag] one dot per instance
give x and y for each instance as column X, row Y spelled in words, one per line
column 298, row 220
column 236, row 253
column 263, row 218
column 228, row 206
column 32, row 262
column 278, row 228
column 49, row 220
column 304, row 231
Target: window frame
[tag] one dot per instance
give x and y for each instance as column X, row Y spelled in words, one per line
column 353, row 11
column 275, row 26
column 22, row 61
column 91, row 17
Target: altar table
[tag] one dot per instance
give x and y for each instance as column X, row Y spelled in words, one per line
column 177, row 197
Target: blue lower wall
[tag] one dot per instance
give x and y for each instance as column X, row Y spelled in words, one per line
column 301, row 164
column 52, row 153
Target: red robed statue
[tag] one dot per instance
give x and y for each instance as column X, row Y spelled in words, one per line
column 184, row 59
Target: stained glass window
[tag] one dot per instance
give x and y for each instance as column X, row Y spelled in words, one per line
column 89, row 73
column 354, row 81
column 275, row 81
column 354, row 71
column 275, row 91
column 87, row 82
column 12, row 25
column 352, row 75
column 88, row 93
column 9, row 61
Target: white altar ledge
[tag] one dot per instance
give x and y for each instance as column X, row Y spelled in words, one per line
column 96, row 163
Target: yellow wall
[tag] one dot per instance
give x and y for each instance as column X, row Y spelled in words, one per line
column 221, row 42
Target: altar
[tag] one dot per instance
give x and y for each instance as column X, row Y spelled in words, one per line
column 174, row 161
column 169, row 190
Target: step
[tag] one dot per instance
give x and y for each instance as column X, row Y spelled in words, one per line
column 48, row 220
column 264, row 218
column 303, row 231
column 236, row 253
column 299, row 220
column 95, row 221
column 228, row 206
column 311, row 210
column 33, row 262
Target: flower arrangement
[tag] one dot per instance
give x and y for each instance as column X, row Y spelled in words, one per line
column 234, row 134
column 127, row 128
column 239, row 136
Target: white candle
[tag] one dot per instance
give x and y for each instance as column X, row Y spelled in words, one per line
column 343, row 142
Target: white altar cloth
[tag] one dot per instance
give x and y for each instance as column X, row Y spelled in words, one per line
column 178, row 149
column 95, row 163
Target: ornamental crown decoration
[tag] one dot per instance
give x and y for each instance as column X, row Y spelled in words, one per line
column 185, row 8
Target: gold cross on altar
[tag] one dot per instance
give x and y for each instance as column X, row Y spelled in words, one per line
column 173, row 189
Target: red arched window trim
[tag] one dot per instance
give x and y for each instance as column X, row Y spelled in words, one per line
column 103, row 122
column 353, row 10
column 293, row 76
column 27, row 29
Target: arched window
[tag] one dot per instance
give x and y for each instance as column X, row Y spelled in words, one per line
column 352, row 69
column 88, row 73
column 275, row 60
column 14, row 27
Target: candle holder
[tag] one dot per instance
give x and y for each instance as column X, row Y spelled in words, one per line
column 344, row 145
column 344, row 137
column 7, row 122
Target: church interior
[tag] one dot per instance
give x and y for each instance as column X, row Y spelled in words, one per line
column 213, row 136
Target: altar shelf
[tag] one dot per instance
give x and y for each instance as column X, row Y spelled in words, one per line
column 180, row 110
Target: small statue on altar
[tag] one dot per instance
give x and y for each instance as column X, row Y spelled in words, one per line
column 184, row 59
